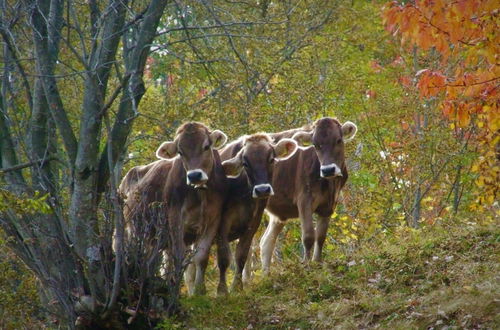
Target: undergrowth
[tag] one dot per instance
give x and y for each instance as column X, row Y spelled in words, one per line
column 443, row 277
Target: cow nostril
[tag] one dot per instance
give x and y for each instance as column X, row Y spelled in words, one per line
column 263, row 190
column 328, row 171
column 194, row 176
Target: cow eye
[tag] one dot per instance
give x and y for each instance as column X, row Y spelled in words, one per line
column 339, row 141
column 206, row 147
column 245, row 162
column 317, row 146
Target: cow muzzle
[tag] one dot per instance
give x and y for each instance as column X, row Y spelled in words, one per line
column 196, row 178
column 330, row 171
column 262, row 191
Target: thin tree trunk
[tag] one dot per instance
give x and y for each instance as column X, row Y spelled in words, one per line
column 46, row 55
column 456, row 190
column 134, row 89
column 8, row 157
column 84, row 229
column 40, row 144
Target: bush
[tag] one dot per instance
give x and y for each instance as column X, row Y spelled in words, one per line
column 19, row 303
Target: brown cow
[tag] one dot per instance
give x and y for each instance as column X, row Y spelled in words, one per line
column 249, row 165
column 132, row 178
column 141, row 187
column 310, row 182
column 195, row 190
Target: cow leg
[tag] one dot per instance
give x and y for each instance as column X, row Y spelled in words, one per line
column 201, row 260
column 190, row 272
column 248, row 270
column 268, row 241
column 321, row 229
column 307, row 226
column 189, row 275
column 242, row 249
column 223, row 259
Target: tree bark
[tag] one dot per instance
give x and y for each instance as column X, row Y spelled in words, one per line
column 8, row 157
column 41, row 145
column 84, row 229
column 46, row 55
column 135, row 61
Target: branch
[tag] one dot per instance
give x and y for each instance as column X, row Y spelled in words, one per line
column 119, row 221
column 467, row 85
column 113, row 97
column 10, row 46
column 45, row 63
column 229, row 38
column 133, row 90
column 429, row 21
column 38, row 162
column 217, row 26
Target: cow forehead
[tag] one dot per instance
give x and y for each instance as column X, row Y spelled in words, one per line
column 327, row 129
column 191, row 127
column 190, row 139
column 257, row 150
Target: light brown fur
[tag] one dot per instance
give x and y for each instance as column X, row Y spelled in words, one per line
column 300, row 191
column 196, row 209
column 243, row 209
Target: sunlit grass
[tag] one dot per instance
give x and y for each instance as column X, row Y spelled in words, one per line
column 433, row 277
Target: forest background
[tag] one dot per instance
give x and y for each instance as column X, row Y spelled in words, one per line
column 89, row 89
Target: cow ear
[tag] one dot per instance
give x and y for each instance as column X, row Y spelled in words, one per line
column 303, row 138
column 167, row 150
column 285, row 149
column 218, row 139
column 233, row 167
column 349, row 130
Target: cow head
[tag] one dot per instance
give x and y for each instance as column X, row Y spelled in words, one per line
column 257, row 157
column 194, row 144
column 328, row 137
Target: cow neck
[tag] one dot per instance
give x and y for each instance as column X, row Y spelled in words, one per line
column 248, row 188
column 213, row 172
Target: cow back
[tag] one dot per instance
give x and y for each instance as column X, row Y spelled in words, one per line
column 298, row 178
column 132, row 178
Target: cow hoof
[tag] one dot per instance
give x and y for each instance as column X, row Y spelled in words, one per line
column 222, row 290
column 200, row 290
column 237, row 285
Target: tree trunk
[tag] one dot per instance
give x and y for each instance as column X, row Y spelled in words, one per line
column 8, row 157
column 135, row 61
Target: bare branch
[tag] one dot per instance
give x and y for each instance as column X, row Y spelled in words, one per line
column 9, row 41
column 113, row 97
column 37, row 162
column 219, row 25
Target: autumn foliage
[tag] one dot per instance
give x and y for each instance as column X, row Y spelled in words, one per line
column 465, row 80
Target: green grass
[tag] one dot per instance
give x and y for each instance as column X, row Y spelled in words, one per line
column 442, row 276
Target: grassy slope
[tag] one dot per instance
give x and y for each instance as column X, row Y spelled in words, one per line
column 442, row 276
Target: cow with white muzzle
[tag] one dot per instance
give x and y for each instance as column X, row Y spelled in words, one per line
column 307, row 184
column 195, row 191
column 249, row 163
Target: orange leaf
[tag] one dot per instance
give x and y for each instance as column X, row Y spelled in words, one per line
column 463, row 117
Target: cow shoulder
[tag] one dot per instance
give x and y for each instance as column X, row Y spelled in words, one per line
column 132, row 178
column 175, row 187
column 276, row 137
column 231, row 149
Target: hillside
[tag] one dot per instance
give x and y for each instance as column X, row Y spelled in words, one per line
column 441, row 277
